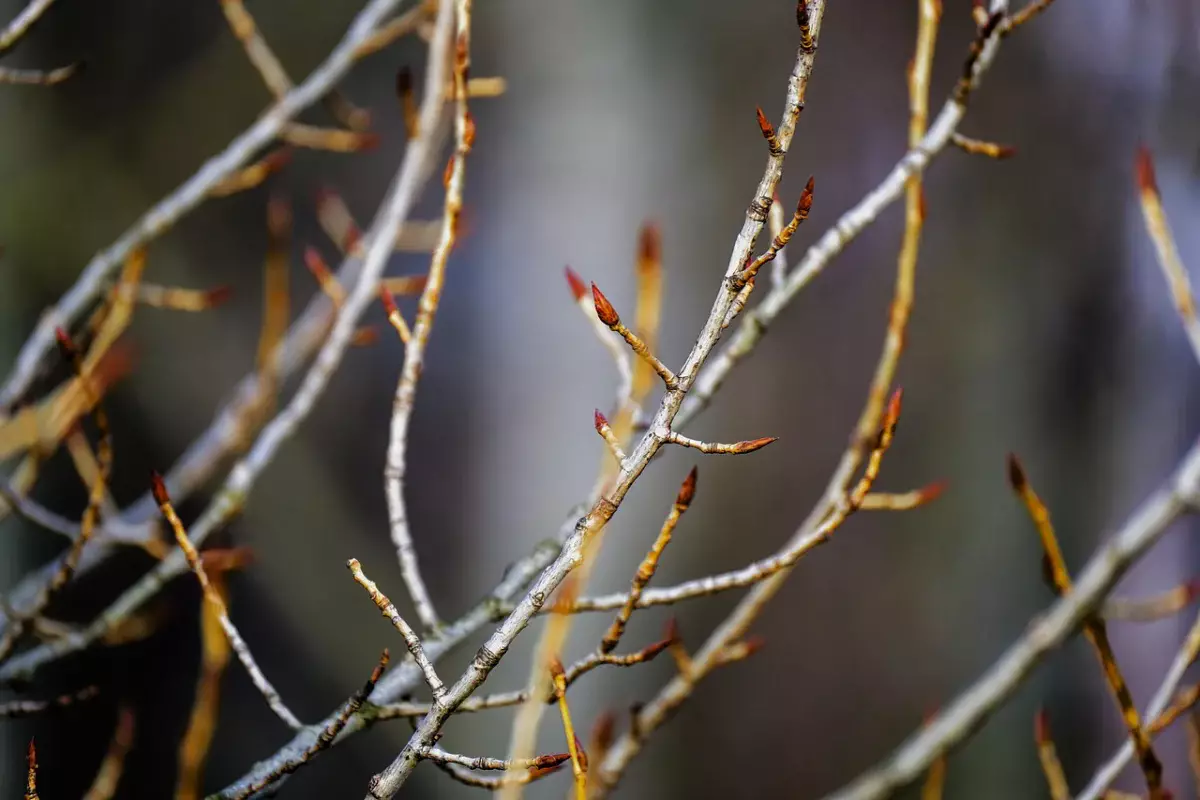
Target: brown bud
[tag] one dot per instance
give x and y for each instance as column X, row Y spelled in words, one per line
column 1144, row 164
column 316, row 264
column 764, row 125
column 672, row 633
column 650, row 651
column 583, row 758
column 556, row 668
column 604, row 309
column 1016, row 473
column 753, row 444
column 159, row 489
column 389, row 302
column 578, row 287
column 932, row 492
column 753, row 644
column 806, row 200
column 892, row 416
column 377, row 673
column 687, row 491
column 365, row 336
column 218, row 295
column 649, row 245
column 551, row 761
column 1041, row 727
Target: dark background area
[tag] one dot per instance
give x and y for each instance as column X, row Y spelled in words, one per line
column 1042, row 326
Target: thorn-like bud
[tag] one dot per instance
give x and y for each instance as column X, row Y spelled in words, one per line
column 768, row 130
column 1041, row 726
column 316, row 263
column 604, row 309
column 389, row 302
column 159, row 489
column 651, row 651
column 753, row 444
column 753, row 644
column 551, row 761
column 806, row 200
column 687, row 491
column 1016, row 473
column 1144, row 164
column 932, row 492
column 583, row 758
column 218, row 295
column 578, row 287
column 649, row 244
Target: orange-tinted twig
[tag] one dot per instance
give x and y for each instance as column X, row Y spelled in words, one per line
column 174, row 298
column 578, row 758
column 979, row 147
column 108, row 777
column 1094, row 627
column 217, row 604
column 1149, row 609
column 333, row 139
column 253, row 175
column 608, row 315
column 882, row 501
column 1164, row 244
column 202, row 724
column 649, row 565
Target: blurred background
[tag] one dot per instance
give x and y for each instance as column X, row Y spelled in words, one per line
column 1042, row 326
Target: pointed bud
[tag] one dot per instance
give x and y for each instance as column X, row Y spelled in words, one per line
column 753, row 444
column 650, row 651
column 893, row 408
column 764, row 125
column 931, row 492
column 806, row 200
column 218, row 296
column 604, row 309
column 365, row 336
column 549, row 762
column 1041, row 727
column 687, row 491
column 1016, row 474
column 316, row 264
column 1144, row 164
column 578, row 287
column 389, row 302
column 649, row 244
column 556, row 668
column 583, row 758
column 673, row 635
column 600, row 421
column 159, row 489
column 753, row 644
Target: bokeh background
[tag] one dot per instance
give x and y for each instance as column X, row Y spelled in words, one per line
column 1042, row 326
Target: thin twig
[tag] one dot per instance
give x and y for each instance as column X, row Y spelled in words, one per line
column 26, row 708
column 189, row 195
column 108, row 777
column 411, row 641
column 218, row 606
column 414, row 350
column 328, row 734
